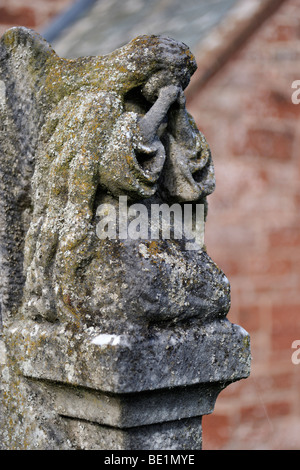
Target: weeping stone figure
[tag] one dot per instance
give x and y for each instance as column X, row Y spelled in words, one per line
column 87, row 316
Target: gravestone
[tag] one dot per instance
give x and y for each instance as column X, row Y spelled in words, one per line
column 114, row 328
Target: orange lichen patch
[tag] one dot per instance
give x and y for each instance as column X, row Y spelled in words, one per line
column 154, row 248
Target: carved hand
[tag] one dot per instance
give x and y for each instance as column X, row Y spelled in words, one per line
column 169, row 94
column 150, row 123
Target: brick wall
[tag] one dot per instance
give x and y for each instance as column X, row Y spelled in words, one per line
column 253, row 229
column 32, row 13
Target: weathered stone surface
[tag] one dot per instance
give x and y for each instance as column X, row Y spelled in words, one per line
column 185, row 434
column 137, row 361
column 105, row 332
column 94, row 128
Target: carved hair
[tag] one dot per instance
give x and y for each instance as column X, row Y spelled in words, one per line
column 150, row 54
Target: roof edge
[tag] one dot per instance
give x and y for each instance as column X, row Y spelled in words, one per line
column 65, row 19
column 228, row 38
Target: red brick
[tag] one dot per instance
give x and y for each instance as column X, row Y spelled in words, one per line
column 278, row 266
column 283, row 312
column 249, row 317
column 280, row 408
column 230, row 266
column 247, row 112
column 279, row 104
column 282, row 381
column 285, row 326
column 22, row 16
column 252, row 413
column 271, row 264
column 266, row 143
column 265, row 411
column 216, row 431
column 286, row 236
column 297, row 199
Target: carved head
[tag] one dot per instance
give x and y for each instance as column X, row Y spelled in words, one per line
column 168, row 153
column 162, row 61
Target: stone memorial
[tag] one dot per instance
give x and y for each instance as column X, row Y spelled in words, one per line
column 113, row 335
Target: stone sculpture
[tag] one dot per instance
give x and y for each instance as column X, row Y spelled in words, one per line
column 75, row 135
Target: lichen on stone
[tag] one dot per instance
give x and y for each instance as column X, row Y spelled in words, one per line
column 106, row 127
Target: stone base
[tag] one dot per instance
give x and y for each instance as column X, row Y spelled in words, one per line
column 90, row 390
column 185, row 434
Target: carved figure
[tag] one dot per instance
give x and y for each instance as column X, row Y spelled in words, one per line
column 98, row 128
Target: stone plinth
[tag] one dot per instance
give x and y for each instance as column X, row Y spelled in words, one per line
column 126, row 392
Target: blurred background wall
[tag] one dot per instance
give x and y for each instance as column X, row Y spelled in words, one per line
column 253, row 228
column 33, row 14
column 244, row 108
